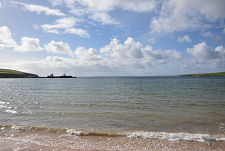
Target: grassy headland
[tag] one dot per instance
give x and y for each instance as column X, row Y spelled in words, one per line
column 218, row 74
column 7, row 73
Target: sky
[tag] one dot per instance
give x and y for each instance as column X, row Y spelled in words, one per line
column 112, row 37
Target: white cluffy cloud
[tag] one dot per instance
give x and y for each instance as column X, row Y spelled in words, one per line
column 58, row 47
column 29, row 44
column 177, row 15
column 40, row 9
column 206, row 58
column 132, row 51
column 65, row 25
column 185, row 38
column 0, row 4
column 203, row 52
column 6, row 39
column 87, row 55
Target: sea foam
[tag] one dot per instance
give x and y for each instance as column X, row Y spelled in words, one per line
column 11, row 111
column 177, row 136
column 138, row 134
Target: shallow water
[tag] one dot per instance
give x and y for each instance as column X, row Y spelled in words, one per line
column 156, row 104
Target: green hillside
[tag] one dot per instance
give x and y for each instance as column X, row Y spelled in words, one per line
column 7, row 73
column 218, row 74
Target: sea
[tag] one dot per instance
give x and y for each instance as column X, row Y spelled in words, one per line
column 171, row 108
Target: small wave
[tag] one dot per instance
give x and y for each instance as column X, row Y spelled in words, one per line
column 154, row 135
column 11, row 111
column 1, row 102
column 15, row 127
column 138, row 134
column 221, row 127
column 27, row 112
column 73, row 132
column 4, row 107
column 221, row 124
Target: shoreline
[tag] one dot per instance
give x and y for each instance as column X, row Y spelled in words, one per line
column 14, row 139
column 173, row 136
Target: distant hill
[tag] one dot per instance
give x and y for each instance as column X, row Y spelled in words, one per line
column 7, row 73
column 218, row 74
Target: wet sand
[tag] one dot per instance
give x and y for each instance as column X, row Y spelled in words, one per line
column 45, row 140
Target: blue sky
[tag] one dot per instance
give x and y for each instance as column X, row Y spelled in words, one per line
column 113, row 37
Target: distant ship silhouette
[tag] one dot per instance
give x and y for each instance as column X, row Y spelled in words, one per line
column 62, row 76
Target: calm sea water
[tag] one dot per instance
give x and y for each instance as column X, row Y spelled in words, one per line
column 170, row 104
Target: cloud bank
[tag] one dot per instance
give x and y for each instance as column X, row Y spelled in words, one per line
column 114, row 58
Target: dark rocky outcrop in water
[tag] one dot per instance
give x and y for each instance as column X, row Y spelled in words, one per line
column 7, row 73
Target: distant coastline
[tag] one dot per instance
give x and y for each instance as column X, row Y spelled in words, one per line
column 8, row 73
column 218, row 74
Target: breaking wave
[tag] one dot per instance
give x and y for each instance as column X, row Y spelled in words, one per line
column 137, row 134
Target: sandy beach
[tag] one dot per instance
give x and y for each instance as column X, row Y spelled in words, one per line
column 42, row 140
